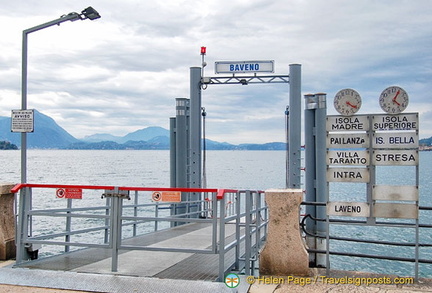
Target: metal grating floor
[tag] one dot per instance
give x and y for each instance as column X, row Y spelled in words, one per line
column 166, row 265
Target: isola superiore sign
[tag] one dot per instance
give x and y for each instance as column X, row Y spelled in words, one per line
column 263, row 66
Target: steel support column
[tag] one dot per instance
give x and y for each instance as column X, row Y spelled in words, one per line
column 294, row 136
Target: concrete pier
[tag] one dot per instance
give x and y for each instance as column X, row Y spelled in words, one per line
column 284, row 252
column 7, row 223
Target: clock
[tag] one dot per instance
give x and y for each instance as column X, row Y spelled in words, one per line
column 347, row 102
column 393, row 100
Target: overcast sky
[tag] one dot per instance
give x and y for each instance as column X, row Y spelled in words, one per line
column 122, row 72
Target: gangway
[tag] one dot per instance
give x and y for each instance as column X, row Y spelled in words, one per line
column 120, row 230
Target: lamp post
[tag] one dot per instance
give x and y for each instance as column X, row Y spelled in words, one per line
column 88, row 13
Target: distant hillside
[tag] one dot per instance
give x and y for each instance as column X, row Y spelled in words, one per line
column 98, row 137
column 426, row 141
column 144, row 134
column 47, row 133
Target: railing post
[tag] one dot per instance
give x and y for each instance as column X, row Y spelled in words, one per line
column 221, row 239
column 68, row 223
column 115, row 228
column 248, row 242
column 214, row 204
column 135, row 212
column 107, row 221
column 156, row 215
column 257, row 221
column 23, row 225
column 238, row 235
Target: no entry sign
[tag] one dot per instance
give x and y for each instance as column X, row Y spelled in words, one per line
column 74, row 193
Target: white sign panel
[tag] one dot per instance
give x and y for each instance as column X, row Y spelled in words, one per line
column 395, row 192
column 395, row 140
column 395, row 210
column 347, row 140
column 395, row 158
column 22, row 121
column 395, row 122
column 244, row 66
column 357, row 175
column 344, row 158
column 343, row 123
column 348, row 209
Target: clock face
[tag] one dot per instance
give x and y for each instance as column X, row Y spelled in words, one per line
column 393, row 100
column 347, row 102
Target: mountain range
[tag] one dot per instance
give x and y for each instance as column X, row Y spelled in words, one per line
column 49, row 135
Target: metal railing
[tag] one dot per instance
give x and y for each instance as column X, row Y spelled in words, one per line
column 415, row 244
column 237, row 219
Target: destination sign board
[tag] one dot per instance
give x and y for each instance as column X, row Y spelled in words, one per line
column 395, row 157
column 344, row 123
column 356, row 175
column 244, row 66
column 407, row 121
column 395, row 192
column 395, row 210
column 345, row 158
column 395, row 140
column 348, row 209
column 22, row 121
column 347, row 140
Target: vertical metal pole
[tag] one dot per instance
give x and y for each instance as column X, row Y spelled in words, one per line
column 68, row 223
column 24, row 106
column 372, row 173
column 195, row 127
column 156, row 216
column 182, row 135
column 214, row 215
column 115, row 230
column 294, row 178
column 257, row 195
column 239, row 202
column 222, row 215
column 321, row 170
column 107, row 220
column 417, row 230
column 173, row 152
column 136, row 201
column 309, row 130
column 195, row 137
column 22, row 228
column 287, row 146
column 248, row 240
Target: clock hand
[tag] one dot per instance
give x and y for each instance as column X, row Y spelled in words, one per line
column 351, row 105
column 397, row 94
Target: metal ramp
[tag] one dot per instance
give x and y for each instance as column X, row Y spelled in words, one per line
column 159, row 264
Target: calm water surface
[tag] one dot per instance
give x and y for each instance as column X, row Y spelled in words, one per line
column 237, row 170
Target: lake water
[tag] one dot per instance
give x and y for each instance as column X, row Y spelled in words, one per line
column 237, row 170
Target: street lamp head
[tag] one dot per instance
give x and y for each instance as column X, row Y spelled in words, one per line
column 90, row 13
